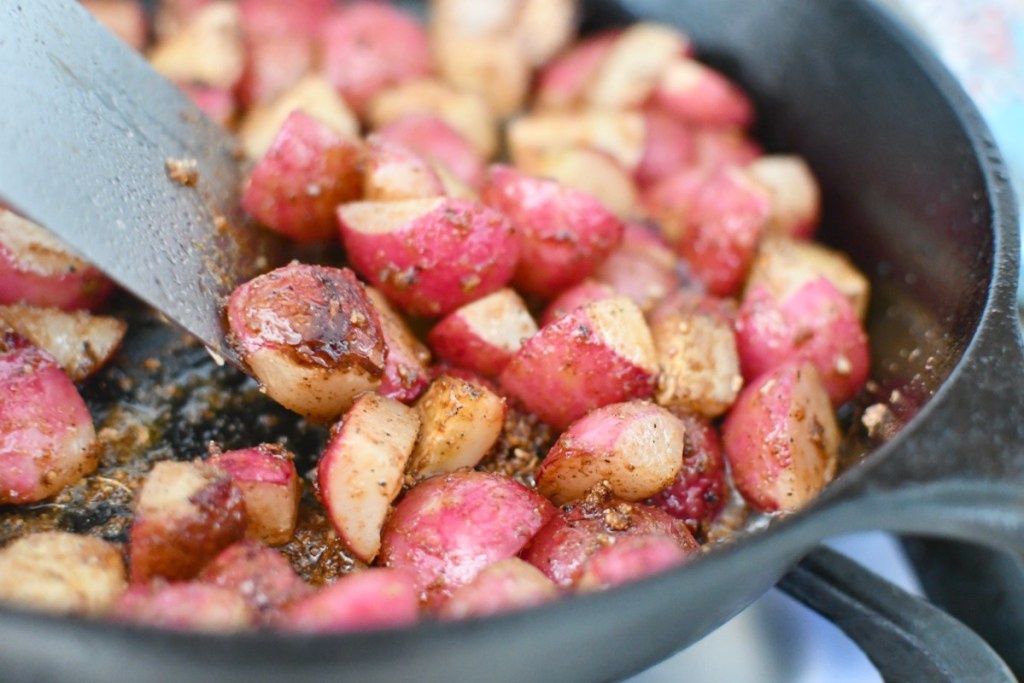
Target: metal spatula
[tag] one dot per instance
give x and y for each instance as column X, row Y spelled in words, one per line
column 90, row 136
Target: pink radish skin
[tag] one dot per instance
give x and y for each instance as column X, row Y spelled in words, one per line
column 586, row 292
column 719, row 148
column 47, row 439
column 781, row 439
column 701, row 96
column 816, row 324
column 642, row 267
column 270, row 486
column 670, row 201
column 370, row 46
column 699, row 491
column 392, row 172
column 447, row 529
column 505, row 586
column 187, row 606
column 311, row 336
column 262, row 576
column 564, row 234
column 630, row 559
column 364, row 601
column 668, row 148
column 430, row 256
column 482, row 336
column 636, row 448
column 308, row 170
column 596, row 355
column 434, row 140
column 217, row 103
column 405, row 368
column 563, row 82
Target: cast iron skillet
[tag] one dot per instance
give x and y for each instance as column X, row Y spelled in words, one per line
column 916, row 192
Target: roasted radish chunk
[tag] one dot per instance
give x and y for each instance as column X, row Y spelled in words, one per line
column 430, row 256
column 61, row 572
column 591, row 171
column 364, row 601
column 47, row 440
column 781, row 439
column 701, row 96
column 311, row 337
column 80, row 342
column 439, row 143
column 208, row 50
column 642, row 267
column 186, row 606
column 185, row 514
column 405, row 368
column 796, row 197
column 448, row 528
column 35, row 268
column 564, row 234
column 634, row 67
column 483, row 335
column 629, row 559
column 563, row 82
column 308, row 170
column 619, row 134
column 561, row 548
column 504, row 586
column 393, row 172
column 262, row 576
column 599, row 354
column 460, row 420
column 362, row 468
column 635, row 447
column 576, row 296
column 270, row 486
column 491, row 66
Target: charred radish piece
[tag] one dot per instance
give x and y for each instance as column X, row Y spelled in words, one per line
column 447, row 529
column 430, row 256
column 460, row 421
column 308, row 170
column 185, row 514
column 405, row 368
column 439, row 143
column 636, row 448
column 362, row 468
column 364, row 601
column 504, row 586
column 311, row 337
column 394, row 172
column 270, row 487
column 781, row 439
column 596, row 355
column 63, row 573
column 261, row 575
column 186, row 606
column 482, row 336
column 47, row 439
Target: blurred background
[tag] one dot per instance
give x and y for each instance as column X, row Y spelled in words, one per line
column 777, row 640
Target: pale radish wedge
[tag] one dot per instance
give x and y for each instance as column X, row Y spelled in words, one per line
column 591, row 171
column 405, row 368
column 619, row 134
column 393, row 172
column 492, row 66
column 796, row 197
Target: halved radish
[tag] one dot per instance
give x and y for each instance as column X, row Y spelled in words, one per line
column 270, row 487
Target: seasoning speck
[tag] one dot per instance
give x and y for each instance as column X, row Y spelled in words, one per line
column 183, row 171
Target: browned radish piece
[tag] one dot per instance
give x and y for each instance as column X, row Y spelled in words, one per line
column 576, row 296
column 307, row 172
column 634, row 67
column 262, row 576
column 629, row 559
column 430, row 256
column 393, row 172
column 668, row 148
column 814, row 323
column 405, row 368
column 362, row 469
column 729, row 215
column 700, row 366
column 635, row 447
column 363, row 601
column 61, row 572
column 311, row 336
column 701, row 96
column 465, row 112
column 783, row 265
column 596, row 355
column 187, row 606
column 483, row 335
column 563, row 233
column 781, row 439
column 718, row 148
column 207, row 50
column 796, row 197
column 593, row 172
column 619, row 134
column 185, row 514
column 47, row 440
column 505, row 586
column 217, row 103
column 79, row 341
column 125, row 18
column 369, row 47
column 266, row 476
column 312, row 95
column 434, row 140
column 35, row 268
column 700, row 491
column 562, row 83
column 461, row 421
column 447, row 529
column 561, row 548
column 642, row 267
column 492, row 66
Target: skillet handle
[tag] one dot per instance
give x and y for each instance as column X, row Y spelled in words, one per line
column 907, row 639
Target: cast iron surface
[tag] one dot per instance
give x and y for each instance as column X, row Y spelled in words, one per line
column 914, row 192
column 907, row 639
column 88, row 128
